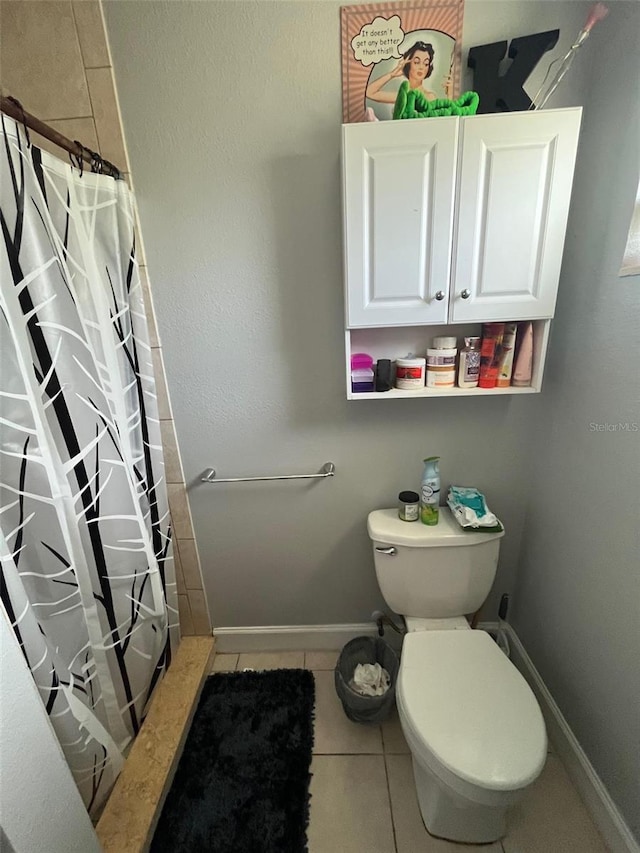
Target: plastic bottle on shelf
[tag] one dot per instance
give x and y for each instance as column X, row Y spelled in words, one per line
column 469, row 369
column 522, row 370
column 490, row 352
column 430, row 491
column 441, row 363
column 506, row 358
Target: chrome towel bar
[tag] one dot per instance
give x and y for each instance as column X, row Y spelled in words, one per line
column 327, row 470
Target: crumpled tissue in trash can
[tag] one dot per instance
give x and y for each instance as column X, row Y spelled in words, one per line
column 370, row 679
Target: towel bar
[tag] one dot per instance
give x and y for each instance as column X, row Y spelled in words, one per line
column 327, row 470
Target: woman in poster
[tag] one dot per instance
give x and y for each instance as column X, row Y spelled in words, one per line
column 417, row 65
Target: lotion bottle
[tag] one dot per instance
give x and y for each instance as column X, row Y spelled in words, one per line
column 469, row 369
column 430, row 491
column 506, row 359
column 524, row 361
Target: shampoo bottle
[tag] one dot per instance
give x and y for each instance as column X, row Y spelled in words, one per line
column 490, row 350
column 430, row 491
column 524, row 362
column 506, row 359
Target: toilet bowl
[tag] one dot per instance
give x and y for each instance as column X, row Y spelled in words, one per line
column 474, row 728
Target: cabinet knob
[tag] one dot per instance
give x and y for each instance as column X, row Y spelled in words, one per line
column 465, row 293
column 440, row 295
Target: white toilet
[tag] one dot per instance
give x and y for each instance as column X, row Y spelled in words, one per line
column 474, row 728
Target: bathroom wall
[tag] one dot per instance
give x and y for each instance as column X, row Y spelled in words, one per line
column 577, row 602
column 55, row 59
column 233, row 114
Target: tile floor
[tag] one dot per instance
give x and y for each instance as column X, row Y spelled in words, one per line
column 362, row 792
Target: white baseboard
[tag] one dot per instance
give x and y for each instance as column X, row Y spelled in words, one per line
column 294, row 638
column 603, row 810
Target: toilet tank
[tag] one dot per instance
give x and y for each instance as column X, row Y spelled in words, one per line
column 432, row 572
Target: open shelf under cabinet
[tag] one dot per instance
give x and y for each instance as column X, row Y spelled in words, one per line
column 397, row 341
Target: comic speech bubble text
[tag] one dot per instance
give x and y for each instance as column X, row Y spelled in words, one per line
column 378, row 40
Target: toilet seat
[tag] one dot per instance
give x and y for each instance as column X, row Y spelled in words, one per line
column 468, row 714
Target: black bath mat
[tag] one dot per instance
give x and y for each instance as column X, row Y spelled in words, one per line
column 242, row 784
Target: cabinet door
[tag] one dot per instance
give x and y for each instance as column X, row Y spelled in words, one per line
column 513, row 201
column 399, row 181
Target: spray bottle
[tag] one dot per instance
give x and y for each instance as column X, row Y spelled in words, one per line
column 430, row 491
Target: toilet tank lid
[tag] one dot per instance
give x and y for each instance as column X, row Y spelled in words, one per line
column 384, row 525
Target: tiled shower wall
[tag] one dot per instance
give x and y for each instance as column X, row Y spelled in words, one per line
column 54, row 57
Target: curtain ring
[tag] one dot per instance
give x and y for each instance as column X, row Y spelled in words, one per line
column 24, row 119
column 96, row 161
column 79, row 162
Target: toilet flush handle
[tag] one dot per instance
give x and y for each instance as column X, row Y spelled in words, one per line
column 390, row 551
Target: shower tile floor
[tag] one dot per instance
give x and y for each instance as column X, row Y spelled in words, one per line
column 363, row 797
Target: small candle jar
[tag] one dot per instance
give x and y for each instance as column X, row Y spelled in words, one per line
column 409, row 506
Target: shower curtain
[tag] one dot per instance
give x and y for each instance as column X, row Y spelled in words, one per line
column 85, row 540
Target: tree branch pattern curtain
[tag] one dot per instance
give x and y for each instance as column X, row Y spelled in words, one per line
column 85, row 540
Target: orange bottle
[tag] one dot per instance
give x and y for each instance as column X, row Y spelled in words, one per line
column 490, row 354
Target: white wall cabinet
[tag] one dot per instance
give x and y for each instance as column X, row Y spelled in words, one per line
column 452, row 221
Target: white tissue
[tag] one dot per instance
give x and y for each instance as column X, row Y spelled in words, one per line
column 467, row 517
column 370, row 679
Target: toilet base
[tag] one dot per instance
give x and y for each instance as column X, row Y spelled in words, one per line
column 448, row 815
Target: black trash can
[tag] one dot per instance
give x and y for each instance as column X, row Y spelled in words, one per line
column 359, row 708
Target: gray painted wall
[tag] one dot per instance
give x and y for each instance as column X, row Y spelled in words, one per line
column 577, row 603
column 232, row 114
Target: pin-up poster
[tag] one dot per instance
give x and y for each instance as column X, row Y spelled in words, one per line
column 384, row 45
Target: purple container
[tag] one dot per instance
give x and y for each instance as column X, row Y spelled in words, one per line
column 362, row 380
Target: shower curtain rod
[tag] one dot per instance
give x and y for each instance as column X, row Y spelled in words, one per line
column 13, row 108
